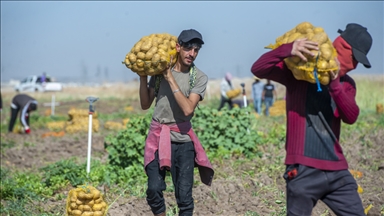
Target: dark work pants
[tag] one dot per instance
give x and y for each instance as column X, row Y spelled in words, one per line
column 224, row 100
column 183, row 162
column 12, row 121
column 337, row 189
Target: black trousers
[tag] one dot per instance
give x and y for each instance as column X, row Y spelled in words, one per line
column 182, row 167
column 337, row 189
column 12, row 121
column 223, row 101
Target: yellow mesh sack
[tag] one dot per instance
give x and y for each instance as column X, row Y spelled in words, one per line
column 85, row 200
column 233, row 93
column 323, row 61
column 151, row 54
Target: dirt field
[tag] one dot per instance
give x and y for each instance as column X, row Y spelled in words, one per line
column 229, row 196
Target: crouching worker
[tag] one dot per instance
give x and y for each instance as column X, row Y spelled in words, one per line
column 25, row 104
column 171, row 144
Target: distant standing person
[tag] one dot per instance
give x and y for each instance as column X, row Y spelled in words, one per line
column 225, row 86
column 269, row 94
column 257, row 93
column 43, row 78
column 25, row 104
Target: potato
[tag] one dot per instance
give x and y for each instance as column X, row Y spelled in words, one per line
column 73, row 196
column 137, row 47
column 310, row 35
column 87, row 213
column 81, row 195
column 302, row 27
column 163, row 47
column 293, row 37
column 91, row 203
column 76, row 213
column 172, row 44
column 295, row 59
column 146, row 45
column 320, row 38
column 332, row 64
column 99, row 200
column 97, row 213
column 148, row 56
column 326, row 54
column 140, row 63
column 322, row 64
column 97, row 207
column 79, row 202
column 132, row 57
column 80, row 207
column 318, row 30
column 86, row 208
column 140, row 55
column 324, row 79
column 155, row 59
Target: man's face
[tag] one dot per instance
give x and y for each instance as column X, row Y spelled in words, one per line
column 187, row 53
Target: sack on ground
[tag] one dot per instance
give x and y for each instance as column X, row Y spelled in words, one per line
column 151, row 54
column 326, row 54
column 85, row 200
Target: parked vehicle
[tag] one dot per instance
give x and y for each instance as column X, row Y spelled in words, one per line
column 33, row 83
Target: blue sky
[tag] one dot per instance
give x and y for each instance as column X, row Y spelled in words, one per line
column 87, row 41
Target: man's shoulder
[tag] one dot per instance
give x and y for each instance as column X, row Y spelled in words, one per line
column 200, row 73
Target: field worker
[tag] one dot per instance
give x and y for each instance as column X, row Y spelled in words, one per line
column 43, row 77
column 257, row 92
column 315, row 165
column 269, row 95
column 225, row 86
column 25, row 104
column 171, row 144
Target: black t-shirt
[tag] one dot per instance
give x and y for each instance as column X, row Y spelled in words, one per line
column 269, row 90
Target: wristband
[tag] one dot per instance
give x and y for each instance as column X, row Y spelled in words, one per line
column 176, row 91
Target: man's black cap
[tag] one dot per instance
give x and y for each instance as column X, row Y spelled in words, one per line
column 188, row 35
column 360, row 40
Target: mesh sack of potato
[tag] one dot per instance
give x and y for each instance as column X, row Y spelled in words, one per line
column 233, row 93
column 74, row 113
column 111, row 125
column 56, row 126
column 151, row 54
column 278, row 108
column 81, row 125
column 323, row 61
column 85, row 200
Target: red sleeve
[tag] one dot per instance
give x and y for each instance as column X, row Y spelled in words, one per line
column 271, row 65
column 344, row 93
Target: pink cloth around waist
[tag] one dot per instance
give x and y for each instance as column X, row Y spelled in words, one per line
column 159, row 139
